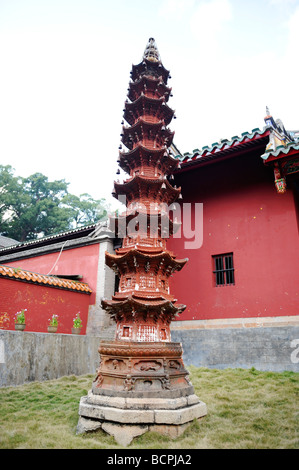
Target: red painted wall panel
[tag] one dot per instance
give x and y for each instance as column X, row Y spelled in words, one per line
column 82, row 260
column 41, row 303
column 243, row 214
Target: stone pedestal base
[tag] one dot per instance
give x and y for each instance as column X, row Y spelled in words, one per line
column 126, row 418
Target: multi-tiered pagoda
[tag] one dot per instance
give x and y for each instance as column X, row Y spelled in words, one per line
column 142, row 364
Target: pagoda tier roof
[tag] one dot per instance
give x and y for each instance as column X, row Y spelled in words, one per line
column 143, row 295
column 144, row 129
column 151, row 106
column 150, row 68
column 140, row 246
column 164, row 307
column 164, row 261
column 150, row 84
column 141, row 155
column 147, row 190
column 144, row 216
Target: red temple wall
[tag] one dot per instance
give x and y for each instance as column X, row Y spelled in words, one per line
column 82, row 260
column 41, row 303
column 242, row 214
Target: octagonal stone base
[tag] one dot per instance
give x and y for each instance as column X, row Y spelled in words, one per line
column 126, row 418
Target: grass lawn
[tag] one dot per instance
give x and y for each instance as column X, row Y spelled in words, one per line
column 247, row 409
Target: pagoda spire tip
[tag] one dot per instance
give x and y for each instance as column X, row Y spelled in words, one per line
column 151, row 52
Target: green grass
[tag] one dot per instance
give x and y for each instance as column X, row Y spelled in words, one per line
column 247, row 409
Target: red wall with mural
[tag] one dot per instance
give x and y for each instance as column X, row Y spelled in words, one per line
column 243, row 214
column 41, row 303
column 82, row 260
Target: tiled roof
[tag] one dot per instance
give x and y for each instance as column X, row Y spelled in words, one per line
column 6, row 241
column 281, row 149
column 223, row 146
column 42, row 279
column 49, row 238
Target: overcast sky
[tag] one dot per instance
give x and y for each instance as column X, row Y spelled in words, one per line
column 65, row 69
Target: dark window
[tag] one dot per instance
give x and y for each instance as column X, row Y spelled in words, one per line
column 116, row 284
column 224, row 269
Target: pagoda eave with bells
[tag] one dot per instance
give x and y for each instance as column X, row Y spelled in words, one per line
column 142, row 364
column 142, row 157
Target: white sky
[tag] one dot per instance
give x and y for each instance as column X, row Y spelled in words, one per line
column 65, row 69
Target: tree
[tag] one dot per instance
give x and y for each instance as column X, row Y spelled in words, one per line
column 9, row 188
column 33, row 207
column 85, row 209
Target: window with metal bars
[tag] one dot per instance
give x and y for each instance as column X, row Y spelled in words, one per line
column 224, row 271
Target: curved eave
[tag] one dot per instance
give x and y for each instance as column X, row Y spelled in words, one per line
column 138, row 153
column 149, row 66
column 141, row 184
column 142, row 150
column 163, row 221
column 137, row 128
column 146, row 103
column 159, row 129
column 147, row 99
column 127, row 131
column 113, row 260
column 136, row 157
column 132, row 213
column 131, row 303
column 153, row 84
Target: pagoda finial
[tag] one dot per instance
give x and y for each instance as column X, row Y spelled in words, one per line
column 151, row 52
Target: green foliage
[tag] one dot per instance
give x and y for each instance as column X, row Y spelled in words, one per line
column 53, row 321
column 9, row 189
column 84, row 209
column 77, row 322
column 20, row 316
column 33, row 207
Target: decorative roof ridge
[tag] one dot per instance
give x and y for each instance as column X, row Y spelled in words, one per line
column 280, row 149
column 187, row 156
column 280, row 140
column 49, row 237
column 43, row 279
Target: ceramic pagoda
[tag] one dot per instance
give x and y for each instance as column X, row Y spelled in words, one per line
column 142, row 381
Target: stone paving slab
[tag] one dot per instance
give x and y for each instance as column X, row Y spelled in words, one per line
column 125, row 424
